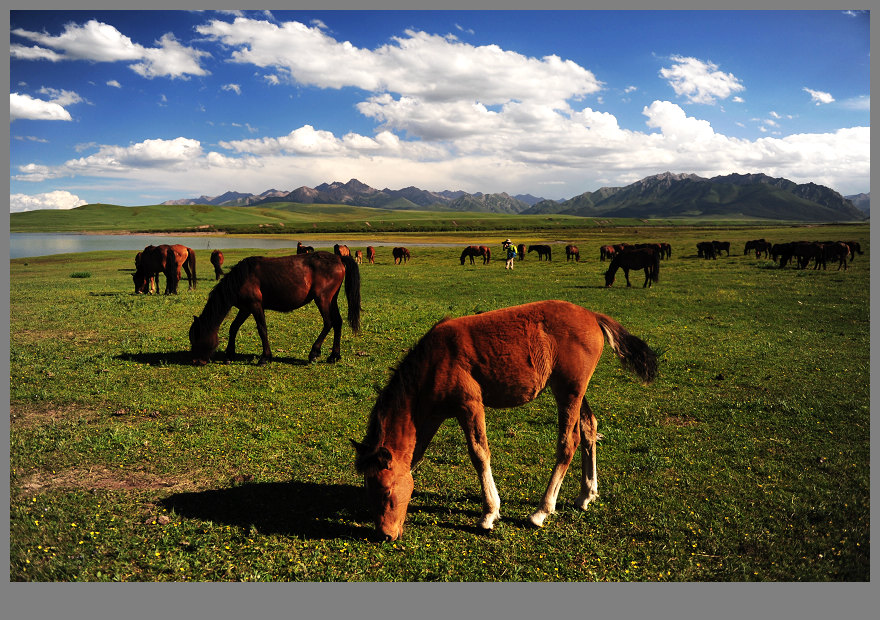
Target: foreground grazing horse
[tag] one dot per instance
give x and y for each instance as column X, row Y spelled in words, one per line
column 167, row 260
column 542, row 250
column 637, row 258
column 571, row 251
column 217, row 261
column 371, row 254
column 401, row 255
column 500, row 359
column 257, row 284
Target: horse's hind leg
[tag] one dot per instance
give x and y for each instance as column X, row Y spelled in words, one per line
column 473, row 423
column 240, row 318
column 332, row 319
column 589, row 474
column 566, row 445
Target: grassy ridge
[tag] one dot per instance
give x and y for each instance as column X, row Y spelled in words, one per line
column 295, row 218
column 747, row 460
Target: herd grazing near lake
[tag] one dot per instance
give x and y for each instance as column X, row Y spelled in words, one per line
column 436, row 380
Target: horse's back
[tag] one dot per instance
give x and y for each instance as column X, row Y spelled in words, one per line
column 512, row 353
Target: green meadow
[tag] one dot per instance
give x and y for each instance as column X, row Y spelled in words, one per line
column 747, row 460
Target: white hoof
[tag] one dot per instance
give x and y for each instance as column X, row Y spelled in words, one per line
column 583, row 501
column 537, row 519
column 488, row 522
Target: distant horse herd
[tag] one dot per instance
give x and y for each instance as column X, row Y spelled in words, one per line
column 447, row 374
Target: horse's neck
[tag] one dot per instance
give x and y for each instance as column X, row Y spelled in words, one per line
column 216, row 309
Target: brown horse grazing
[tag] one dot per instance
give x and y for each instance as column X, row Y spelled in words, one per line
column 837, row 251
column 217, row 261
column 341, row 250
column 521, row 251
column 706, row 249
column 637, row 258
column 470, row 252
column 606, row 251
column 665, row 250
column 721, row 245
column 401, row 255
column 257, row 284
column 303, row 249
column 371, row 254
column 358, row 257
column 542, row 250
column 167, row 260
column 486, row 253
column 502, row 358
column 571, row 251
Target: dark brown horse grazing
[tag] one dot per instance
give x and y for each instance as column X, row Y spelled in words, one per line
column 167, row 260
column 837, row 251
column 303, row 249
column 706, row 249
column 257, row 284
column 217, row 261
column 521, row 251
column 401, row 255
column 542, row 250
column 371, row 254
column 637, row 258
column 571, row 251
column 470, row 252
column 721, row 245
column 500, row 359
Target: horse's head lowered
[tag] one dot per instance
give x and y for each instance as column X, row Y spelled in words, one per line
column 203, row 342
column 389, row 485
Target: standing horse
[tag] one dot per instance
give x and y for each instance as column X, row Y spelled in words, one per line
column 401, row 255
column 371, row 254
column 638, row 258
column 838, row 251
column 706, row 249
column 303, row 249
column 282, row 284
column 542, row 250
column 571, row 251
column 358, row 257
column 606, row 251
column 167, row 260
column 721, row 245
column 341, row 250
column 217, row 261
column 469, row 252
column 521, row 251
column 500, row 359
column 486, row 253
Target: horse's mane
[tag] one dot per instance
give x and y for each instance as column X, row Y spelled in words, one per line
column 403, row 386
column 223, row 296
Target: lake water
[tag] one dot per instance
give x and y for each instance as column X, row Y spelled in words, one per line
column 27, row 245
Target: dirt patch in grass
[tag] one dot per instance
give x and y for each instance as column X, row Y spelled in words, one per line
column 676, row 420
column 30, row 416
column 103, row 478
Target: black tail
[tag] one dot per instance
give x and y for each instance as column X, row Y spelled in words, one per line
column 353, row 292
column 634, row 353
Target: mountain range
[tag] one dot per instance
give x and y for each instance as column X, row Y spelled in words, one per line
column 658, row 196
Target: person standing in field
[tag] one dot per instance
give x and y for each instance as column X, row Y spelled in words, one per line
column 508, row 247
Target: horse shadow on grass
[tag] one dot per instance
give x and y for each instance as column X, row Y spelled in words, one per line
column 184, row 358
column 305, row 510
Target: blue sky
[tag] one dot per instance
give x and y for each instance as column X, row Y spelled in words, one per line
column 139, row 107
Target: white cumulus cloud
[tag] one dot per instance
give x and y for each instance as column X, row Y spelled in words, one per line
column 59, row 199
column 26, row 107
column 700, row 81
column 819, row 97
column 96, row 41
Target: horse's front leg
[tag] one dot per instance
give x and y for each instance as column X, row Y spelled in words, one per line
column 626, row 275
column 240, row 318
column 473, row 422
column 566, row 444
column 647, row 277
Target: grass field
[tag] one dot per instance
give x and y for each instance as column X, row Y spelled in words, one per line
column 747, row 460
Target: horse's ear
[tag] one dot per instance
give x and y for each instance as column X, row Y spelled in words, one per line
column 383, row 457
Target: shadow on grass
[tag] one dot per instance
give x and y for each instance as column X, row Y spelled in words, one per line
column 302, row 509
column 184, row 358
